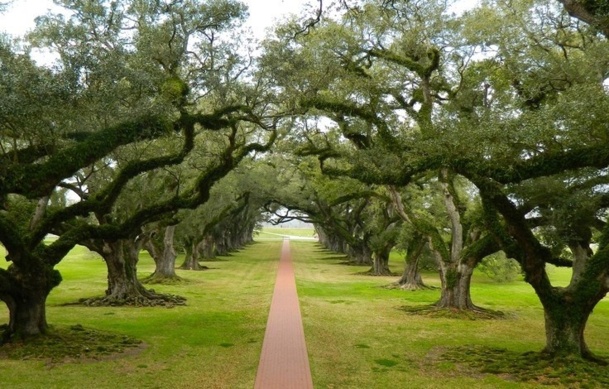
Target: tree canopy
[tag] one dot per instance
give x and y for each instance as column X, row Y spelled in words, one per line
column 383, row 121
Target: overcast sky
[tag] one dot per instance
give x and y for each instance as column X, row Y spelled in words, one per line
column 263, row 13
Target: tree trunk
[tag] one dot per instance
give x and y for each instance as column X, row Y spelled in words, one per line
column 360, row 255
column 456, row 282
column 380, row 264
column 124, row 288
column 221, row 245
column 165, row 261
column 121, row 261
column 411, row 278
column 191, row 262
column 27, row 315
column 565, row 323
column 25, row 295
column 206, row 249
column 566, row 310
column 330, row 241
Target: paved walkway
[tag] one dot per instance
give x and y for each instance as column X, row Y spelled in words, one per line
column 284, row 363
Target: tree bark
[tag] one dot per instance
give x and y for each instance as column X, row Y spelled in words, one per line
column 166, row 260
column 456, row 281
column 380, row 264
column 360, row 255
column 25, row 293
column 27, row 315
column 411, row 278
column 121, row 260
column 191, row 262
column 565, row 323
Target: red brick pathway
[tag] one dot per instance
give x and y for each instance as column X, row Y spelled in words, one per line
column 284, row 363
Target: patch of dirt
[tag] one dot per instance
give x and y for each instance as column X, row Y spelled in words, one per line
column 74, row 344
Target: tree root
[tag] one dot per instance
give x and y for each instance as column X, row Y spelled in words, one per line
column 156, row 279
column 195, row 268
column 410, row 286
column 372, row 273
column 473, row 313
column 537, row 368
column 152, row 299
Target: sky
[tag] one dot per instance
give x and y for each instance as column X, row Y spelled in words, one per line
column 263, row 13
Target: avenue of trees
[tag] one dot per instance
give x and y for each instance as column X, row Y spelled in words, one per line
column 387, row 124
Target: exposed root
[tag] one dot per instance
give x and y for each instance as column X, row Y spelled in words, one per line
column 198, row 267
column 156, row 279
column 152, row 299
column 409, row 286
column 371, row 272
column 474, row 313
column 353, row 263
column 533, row 367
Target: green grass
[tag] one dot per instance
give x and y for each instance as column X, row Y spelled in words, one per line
column 213, row 342
column 358, row 335
column 278, row 233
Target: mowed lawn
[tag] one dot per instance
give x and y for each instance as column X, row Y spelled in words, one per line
column 213, row 342
column 357, row 335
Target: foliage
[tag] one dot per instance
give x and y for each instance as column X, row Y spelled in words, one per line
column 499, row 268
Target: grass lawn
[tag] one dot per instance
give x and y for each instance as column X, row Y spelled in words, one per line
column 213, row 342
column 357, row 335
column 278, row 233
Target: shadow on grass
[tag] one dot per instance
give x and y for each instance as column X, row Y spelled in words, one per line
column 72, row 344
column 532, row 367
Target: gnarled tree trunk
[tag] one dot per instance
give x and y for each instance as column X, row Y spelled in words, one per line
column 380, row 262
column 191, row 261
column 360, row 254
column 456, row 281
column 124, row 288
column 411, row 278
column 565, row 323
column 121, row 258
column 165, row 260
column 206, row 248
column 25, row 293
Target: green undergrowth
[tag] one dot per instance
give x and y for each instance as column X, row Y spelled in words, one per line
column 532, row 367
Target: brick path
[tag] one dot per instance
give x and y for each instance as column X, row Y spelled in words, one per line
column 284, row 363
